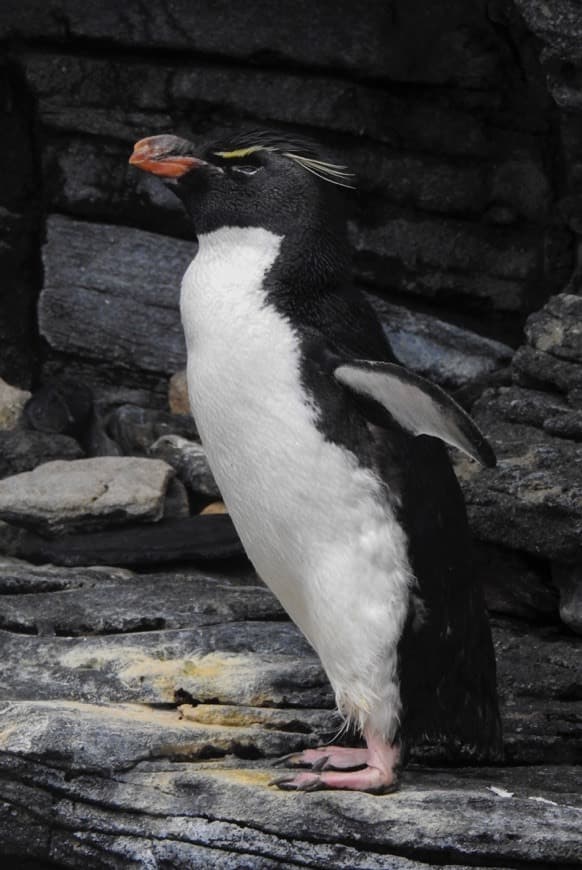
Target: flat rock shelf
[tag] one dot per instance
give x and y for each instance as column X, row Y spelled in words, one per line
column 141, row 714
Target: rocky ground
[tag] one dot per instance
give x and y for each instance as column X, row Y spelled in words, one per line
column 148, row 679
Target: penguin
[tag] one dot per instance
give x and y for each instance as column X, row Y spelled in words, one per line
column 331, row 457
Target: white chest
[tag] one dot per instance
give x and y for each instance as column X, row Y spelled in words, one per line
column 312, row 521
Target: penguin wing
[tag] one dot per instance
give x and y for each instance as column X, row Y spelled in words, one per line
column 417, row 405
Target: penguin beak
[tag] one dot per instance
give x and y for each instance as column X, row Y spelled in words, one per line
column 165, row 156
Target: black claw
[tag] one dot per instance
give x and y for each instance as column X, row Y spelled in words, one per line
column 321, row 763
column 281, row 781
column 279, row 762
column 316, row 785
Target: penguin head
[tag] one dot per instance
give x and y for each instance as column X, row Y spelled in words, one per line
column 254, row 180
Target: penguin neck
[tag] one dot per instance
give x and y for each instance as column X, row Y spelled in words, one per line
column 313, row 260
column 294, row 270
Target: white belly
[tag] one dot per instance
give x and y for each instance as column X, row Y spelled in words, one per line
column 315, row 525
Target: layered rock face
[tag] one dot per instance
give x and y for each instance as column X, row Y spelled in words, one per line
column 148, row 678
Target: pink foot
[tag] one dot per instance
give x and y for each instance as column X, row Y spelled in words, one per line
column 327, row 758
column 377, row 773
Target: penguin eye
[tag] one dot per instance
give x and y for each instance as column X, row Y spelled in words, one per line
column 246, row 169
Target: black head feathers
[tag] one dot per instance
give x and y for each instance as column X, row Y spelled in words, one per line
column 303, row 152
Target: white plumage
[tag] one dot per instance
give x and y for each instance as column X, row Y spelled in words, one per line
column 317, row 526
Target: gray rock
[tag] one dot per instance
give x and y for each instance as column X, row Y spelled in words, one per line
column 111, row 293
column 435, row 255
column 157, row 813
column 176, row 502
column 440, row 351
column 535, row 368
column 451, row 46
column 568, row 579
column 12, row 401
column 558, row 24
column 22, row 450
column 136, row 429
column 532, row 500
column 147, row 710
column 188, row 459
column 63, row 407
column 197, row 539
column 556, row 329
column 86, row 493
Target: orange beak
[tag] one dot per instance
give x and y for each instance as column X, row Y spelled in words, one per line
column 161, row 155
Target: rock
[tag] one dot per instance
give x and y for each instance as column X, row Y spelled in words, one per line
column 63, row 407
column 452, row 45
column 558, row 23
column 440, row 258
column 513, row 584
column 111, row 293
column 162, row 695
column 192, row 539
column 176, row 503
column 62, row 497
column 22, row 450
column 552, row 356
column 105, row 600
column 12, row 401
column 532, row 500
column 20, row 229
column 556, row 329
column 534, row 368
column 440, row 351
column 188, row 459
column 178, row 394
column 136, row 429
column 568, row 579
column 154, row 812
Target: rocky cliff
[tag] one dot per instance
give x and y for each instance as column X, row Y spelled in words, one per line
column 148, row 680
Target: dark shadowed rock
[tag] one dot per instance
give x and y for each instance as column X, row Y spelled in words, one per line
column 197, row 538
column 63, row 407
column 112, row 293
column 532, row 500
column 568, row 579
column 515, row 585
column 136, row 429
column 438, row 350
column 85, row 494
column 22, row 450
column 385, row 43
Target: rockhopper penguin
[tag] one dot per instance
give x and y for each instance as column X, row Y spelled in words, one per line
column 330, row 456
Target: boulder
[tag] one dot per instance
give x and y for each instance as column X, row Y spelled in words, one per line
column 12, row 402
column 197, row 539
column 188, row 459
column 86, row 494
column 111, row 294
column 22, row 450
column 439, row 351
column 136, row 429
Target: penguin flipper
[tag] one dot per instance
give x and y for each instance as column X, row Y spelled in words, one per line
column 416, row 404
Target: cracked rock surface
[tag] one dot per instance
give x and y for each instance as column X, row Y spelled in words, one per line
column 140, row 715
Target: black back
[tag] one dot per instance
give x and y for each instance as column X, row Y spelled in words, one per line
column 446, row 659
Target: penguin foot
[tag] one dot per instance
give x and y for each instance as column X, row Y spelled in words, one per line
column 369, row 779
column 326, row 758
column 373, row 769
